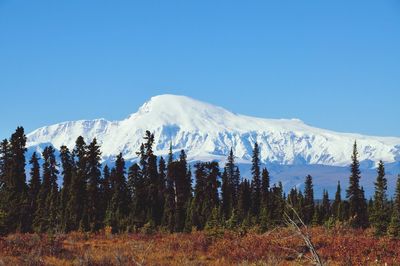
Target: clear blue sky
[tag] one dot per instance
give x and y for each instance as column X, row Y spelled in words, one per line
column 334, row 64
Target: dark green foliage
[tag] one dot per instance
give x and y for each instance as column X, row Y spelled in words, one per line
column 14, row 201
column 205, row 192
column 158, row 194
column 76, row 205
column 308, row 200
column 394, row 226
column 105, row 193
column 357, row 204
column 277, row 206
column 380, row 210
column 325, row 208
column 118, row 209
column 67, row 164
column 47, row 217
column 34, row 187
column 244, row 203
column 93, row 201
column 256, row 181
column 226, row 193
column 337, row 203
column 138, row 195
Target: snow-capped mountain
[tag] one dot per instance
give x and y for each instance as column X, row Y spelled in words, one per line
column 208, row 132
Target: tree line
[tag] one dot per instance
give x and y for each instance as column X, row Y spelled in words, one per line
column 157, row 193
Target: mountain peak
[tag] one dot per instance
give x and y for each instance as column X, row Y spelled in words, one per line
column 208, row 132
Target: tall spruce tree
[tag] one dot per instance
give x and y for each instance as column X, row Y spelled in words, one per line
column 394, row 226
column 169, row 207
column 309, row 204
column 77, row 201
column 357, row 204
column 226, row 195
column 34, row 187
column 265, row 213
column 117, row 212
column 93, row 157
column 233, row 175
column 380, row 210
column 105, row 193
column 67, row 164
column 138, row 193
column 47, row 218
column 337, row 202
column 244, row 203
column 183, row 191
column 256, row 181
column 16, row 189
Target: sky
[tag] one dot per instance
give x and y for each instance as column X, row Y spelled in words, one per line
column 333, row 64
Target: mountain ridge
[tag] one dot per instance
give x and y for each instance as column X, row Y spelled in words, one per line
column 207, row 132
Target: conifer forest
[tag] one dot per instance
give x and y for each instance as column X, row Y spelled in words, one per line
column 202, row 213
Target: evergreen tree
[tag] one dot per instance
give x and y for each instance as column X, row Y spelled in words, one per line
column 357, row 204
column 394, row 226
column 47, row 218
column 226, row 194
column 138, row 194
column 337, row 202
column 325, row 208
column 67, row 164
column 77, row 201
column 169, row 207
column 256, row 182
column 244, row 203
column 206, row 192
column 117, row 212
column 93, row 185
column 15, row 190
column 233, row 176
column 105, row 192
column 308, row 200
column 380, row 212
column 277, row 204
column 34, row 187
column 183, row 190
column 5, row 158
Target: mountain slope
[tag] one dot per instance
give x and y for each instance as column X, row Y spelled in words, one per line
column 208, row 132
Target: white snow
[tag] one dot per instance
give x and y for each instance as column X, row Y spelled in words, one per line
column 208, row 132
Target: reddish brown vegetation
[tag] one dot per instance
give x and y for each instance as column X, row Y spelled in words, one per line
column 278, row 247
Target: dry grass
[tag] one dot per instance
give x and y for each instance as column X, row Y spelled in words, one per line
column 279, row 247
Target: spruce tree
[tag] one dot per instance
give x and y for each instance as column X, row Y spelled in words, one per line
column 105, row 193
column 394, row 226
column 226, row 194
column 256, row 181
column 325, row 208
column 138, row 193
column 67, row 164
column 77, row 201
column 380, row 212
column 117, row 212
column 233, row 176
column 34, row 187
column 244, row 203
column 169, row 207
column 16, row 189
column 357, row 204
column 308, row 200
column 47, row 218
column 93, row 157
column 337, row 202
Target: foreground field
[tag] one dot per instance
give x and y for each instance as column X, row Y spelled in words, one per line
column 278, row 247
